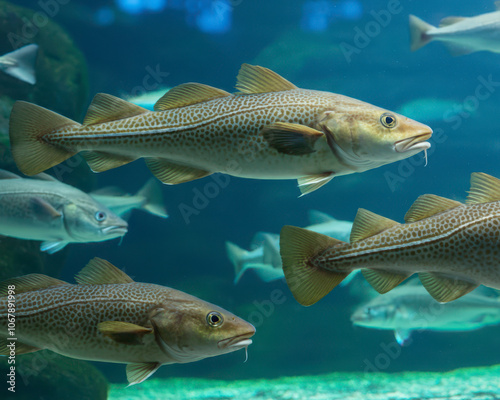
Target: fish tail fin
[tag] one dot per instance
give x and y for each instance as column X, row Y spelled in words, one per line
column 418, row 33
column 236, row 255
column 308, row 282
column 21, row 63
column 154, row 202
column 29, row 124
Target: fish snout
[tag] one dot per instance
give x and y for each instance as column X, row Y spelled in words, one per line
column 237, row 342
column 416, row 142
column 114, row 230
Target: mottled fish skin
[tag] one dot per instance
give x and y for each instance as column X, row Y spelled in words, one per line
column 454, row 247
column 332, row 135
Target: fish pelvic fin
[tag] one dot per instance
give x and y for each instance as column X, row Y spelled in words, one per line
column 418, row 33
column 153, row 198
column 307, row 282
column 29, row 124
column 139, row 372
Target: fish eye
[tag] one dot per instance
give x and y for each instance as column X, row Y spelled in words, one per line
column 388, row 120
column 215, row 319
column 100, row 216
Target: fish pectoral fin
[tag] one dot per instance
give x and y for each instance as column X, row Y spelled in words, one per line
column 101, row 272
column 123, row 332
column 450, row 21
column 139, row 372
column 428, row 205
column 402, row 336
column 52, row 247
column 307, row 282
column 457, row 50
column 100, row 161
column 291, row 139
column 310, row 183
column 484, row 188
column 188, row 94
column 107, row 108
column 20, row 348
column 43, row 209
column 444, row 288
column 29, row 283
column 367, row 224
column 253, row 79
column 171, row 173
column 383, row 281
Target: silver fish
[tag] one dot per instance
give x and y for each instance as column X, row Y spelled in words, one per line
column 20, row 63
column 461, row 35
column 48, row 210
column 409, row 308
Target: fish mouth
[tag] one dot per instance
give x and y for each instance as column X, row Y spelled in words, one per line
column 114, row 230
column 236, row 342
column 417, row 142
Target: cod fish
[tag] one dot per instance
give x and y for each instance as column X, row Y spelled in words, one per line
column 461, row 35
column 109, row 317
column 149, row 198
column 453, row 247
column 48, row 210
column 264, row 256
column 409, row 308
column 20, row 63
column 270, row 129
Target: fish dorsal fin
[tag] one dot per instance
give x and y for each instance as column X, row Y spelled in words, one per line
column 29, row 283
column 444, row 288
column 139, row 372
column 450, row 21
column 383, row 281
column 106, row 108
column 367, row 224
column 319, row 217
column 254, row 79
column 428, row 205
column 8, row 175
column 101, row 272
column 497, row 5
column 187, row 94
column 484, row 188
column 109, row 191
column 44, row 177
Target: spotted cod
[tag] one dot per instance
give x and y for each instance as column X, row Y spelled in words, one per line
column 109, row 317
column 270, row 129
column 454, row 248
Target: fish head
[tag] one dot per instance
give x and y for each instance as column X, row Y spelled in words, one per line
column 374, row 315
column 190, row 330
column 368, row 136
column 92, row 222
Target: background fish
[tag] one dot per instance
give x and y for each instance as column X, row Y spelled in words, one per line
column 269, row 130
column 20, row 63
column 453, row 247
column 461, row 35
column 48, row 210
column 109, row 317
column 409, row 308
column 149, row 198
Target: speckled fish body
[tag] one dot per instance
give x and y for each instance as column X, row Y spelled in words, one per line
column 454, row 247
column 128, row 322
column 270, row 130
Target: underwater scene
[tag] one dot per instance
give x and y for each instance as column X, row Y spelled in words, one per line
column 236, row 199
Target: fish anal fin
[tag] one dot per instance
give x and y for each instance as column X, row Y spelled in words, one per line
column 450, row 21
column 29, row 283
column 107, row 108
column 20, row 348
column 123, row 332
column 457, row 50
column 139, row 372
column 101, row 272
column 255, row 79
column 383, row 281
column 310, row 183
column 188, row 94
column 367, row 224
column 171, row 173
column 444, row 288
column 291, row 139
column 484, row 189
column 307, row 282
column 428, row 205
column 100, row 161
